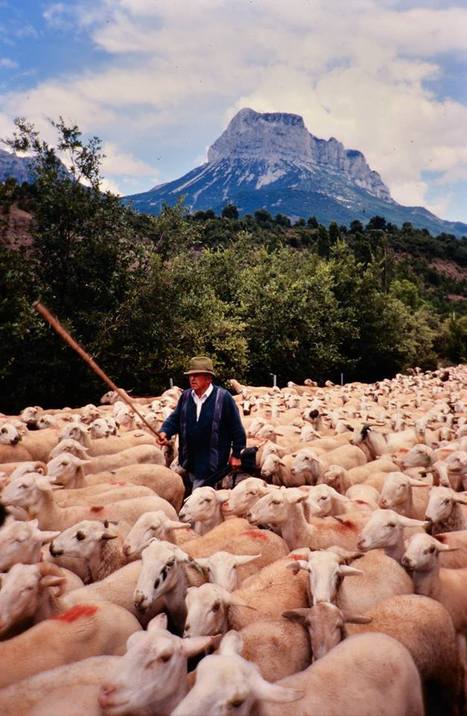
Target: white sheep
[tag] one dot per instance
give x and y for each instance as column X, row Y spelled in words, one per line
column 283, row 509
column 244, row 495
column 235, row 694
column 386, row 682
column 447, row 586
column 326, row 570
column 444, row 511
column 22, row 542
column 221, row 567
column 35, row 494
column 30, row 591
column 149, row 526
column 96, row 544
column 385, row 530
column 398, row 495
column 203, row 509
column 162, row 576
column 83, row 631
column 152, row 676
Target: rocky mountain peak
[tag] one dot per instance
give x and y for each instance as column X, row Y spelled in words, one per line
column 272, row 135
column 278, row 138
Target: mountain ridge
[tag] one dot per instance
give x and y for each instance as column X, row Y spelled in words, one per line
column 271, row 161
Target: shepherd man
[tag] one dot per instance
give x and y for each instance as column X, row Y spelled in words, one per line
column 207, row 421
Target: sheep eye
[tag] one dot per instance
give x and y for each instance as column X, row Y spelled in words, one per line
column 432, row 549
column 165, row 657
column 208, row 500
column 391, row 524
column 171, row 563
column 80, row 536
column 445, row 502
column 275, row 502
column 237, row 703
column 215, row 607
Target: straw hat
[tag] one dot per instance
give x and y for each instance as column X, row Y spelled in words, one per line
column 200, row 364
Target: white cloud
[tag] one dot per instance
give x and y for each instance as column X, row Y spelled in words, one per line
column 118, row 163
column 354, row 70
column 7, row 64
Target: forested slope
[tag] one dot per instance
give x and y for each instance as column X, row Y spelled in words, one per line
column 259, row 295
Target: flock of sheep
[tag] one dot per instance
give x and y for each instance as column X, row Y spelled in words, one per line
column 333, row 582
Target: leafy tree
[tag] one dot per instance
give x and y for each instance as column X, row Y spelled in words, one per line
column 263, row 217
column 230, row 212
column 377, row 222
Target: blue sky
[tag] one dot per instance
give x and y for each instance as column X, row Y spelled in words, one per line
column 158, row 80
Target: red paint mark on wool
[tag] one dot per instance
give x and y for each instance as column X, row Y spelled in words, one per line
column 297, row 557
column 345, row 525
column 255, row 534
column 80, row 610
column 97, row 508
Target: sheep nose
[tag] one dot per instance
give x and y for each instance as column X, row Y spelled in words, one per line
column 55, row 552
column 383, row 502
column 361, row 544
column 429, row 527
column 104, row 695
column 126, row 550
column 140, row 601
column 406, row 562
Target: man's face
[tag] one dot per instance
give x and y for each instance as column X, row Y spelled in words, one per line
column 200, row 382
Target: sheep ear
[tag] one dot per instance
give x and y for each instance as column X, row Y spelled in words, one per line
column 357, row 619
column 295, row 499
column 410, row 522
column 296, row 615
column 340, row 498
column 47, row 536
column 173, row 525
column 158, row 622
column 52, row 581
column 297, row 565
column 346, row 571
column 273, row 692
column 108, row 535
column 345, row 555
column 181, row 556
column 233, row 601
column 231, row 644
column 417, row 483
column 240, row 559
column 222, row 497
column 460, row 500
column 134, row 639
column 193, row 645
column 440, row 547
column 43, row 484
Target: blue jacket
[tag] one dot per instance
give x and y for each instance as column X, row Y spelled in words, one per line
column 204, row 453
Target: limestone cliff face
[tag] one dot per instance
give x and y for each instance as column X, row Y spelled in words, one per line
column 279, row 140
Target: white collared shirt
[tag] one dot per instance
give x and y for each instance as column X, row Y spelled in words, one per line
column 199, row 401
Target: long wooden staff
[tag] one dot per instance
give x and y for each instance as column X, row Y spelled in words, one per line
column 58, row 328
